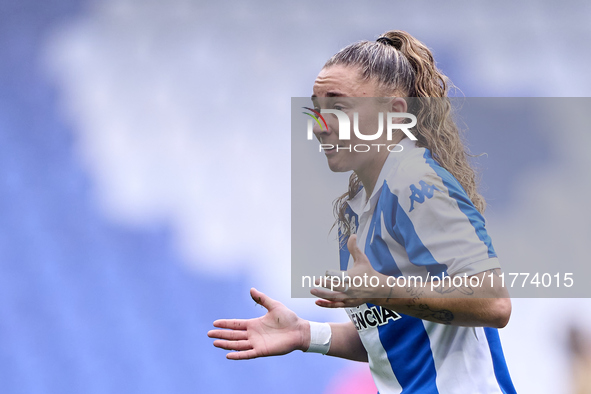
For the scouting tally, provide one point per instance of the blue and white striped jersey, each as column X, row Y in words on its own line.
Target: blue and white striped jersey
column 419, row 221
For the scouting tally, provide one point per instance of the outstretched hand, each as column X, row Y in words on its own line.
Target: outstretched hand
column 343, row 295
column 279, row 331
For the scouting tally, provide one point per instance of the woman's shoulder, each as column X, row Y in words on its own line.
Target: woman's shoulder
column 414, row 166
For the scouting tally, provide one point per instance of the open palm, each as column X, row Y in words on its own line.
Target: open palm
column 279, row 331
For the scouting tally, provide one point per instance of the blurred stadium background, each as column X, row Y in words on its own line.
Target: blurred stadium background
column 144, row 147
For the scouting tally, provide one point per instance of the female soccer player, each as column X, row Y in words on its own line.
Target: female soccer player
column 412, row 212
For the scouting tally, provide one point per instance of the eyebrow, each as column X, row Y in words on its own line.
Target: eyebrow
column 332, row 93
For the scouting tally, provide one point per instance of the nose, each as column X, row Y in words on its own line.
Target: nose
column 320, row 126
column 317, row 123
column 319, row 129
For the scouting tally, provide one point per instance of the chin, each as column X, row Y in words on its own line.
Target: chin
column 337, row 167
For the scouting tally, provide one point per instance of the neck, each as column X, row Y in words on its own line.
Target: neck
column 370, row 173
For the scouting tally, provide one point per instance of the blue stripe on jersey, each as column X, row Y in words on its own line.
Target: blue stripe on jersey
column 499, row 364
column 405, row 234
column 377, row 250
column 457, row 192
column 416, row 371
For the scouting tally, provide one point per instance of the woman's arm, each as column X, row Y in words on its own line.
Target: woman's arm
column 465, row 305
column 462, row 305
column 346, row 342
column 280, row 331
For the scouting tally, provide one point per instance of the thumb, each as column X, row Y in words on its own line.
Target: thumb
column 262, row 299
column 357, row 254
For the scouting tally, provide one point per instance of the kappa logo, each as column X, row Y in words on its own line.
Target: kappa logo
column 418, row 195
column 372, row 317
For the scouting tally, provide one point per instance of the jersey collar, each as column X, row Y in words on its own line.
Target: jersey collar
column 358, row 203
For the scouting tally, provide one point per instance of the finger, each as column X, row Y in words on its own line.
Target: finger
column 329, row 295
column 262, row 299
column 232, row 345
column 228, row 334
column 234, row 324
column 244, row 355
column 336, row 284
column 338, row 274
column 349, row 303
column 330, row 304
column 332, row 282
column 357, row 253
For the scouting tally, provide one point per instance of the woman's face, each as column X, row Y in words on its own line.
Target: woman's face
column 341, row 88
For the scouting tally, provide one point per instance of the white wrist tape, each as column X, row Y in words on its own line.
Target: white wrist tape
column 320, row 336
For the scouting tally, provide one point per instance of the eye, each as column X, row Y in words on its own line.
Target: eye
column 339, row 107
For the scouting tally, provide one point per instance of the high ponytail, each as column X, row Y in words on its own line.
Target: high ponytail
column 400, row 64
column 428, row 80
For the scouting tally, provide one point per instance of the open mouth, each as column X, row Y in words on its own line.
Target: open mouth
column 331, row 150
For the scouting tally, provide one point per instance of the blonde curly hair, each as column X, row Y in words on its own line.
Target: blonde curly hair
column 401, row 64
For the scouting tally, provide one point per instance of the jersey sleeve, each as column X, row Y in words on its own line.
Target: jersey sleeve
column 439, row 226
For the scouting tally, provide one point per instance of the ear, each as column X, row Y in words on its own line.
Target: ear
column 398, row 104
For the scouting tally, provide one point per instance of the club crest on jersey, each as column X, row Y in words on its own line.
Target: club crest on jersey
column 372, row 317
column 418, row 195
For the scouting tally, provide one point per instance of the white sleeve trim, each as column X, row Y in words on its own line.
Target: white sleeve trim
column 478, row 267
